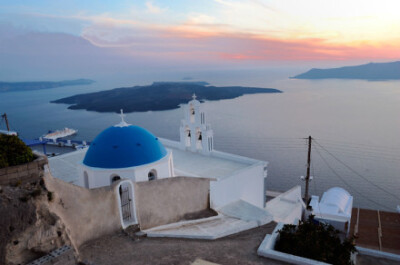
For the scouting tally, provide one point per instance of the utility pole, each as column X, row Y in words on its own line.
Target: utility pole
column 306, row 196
column 5, row 118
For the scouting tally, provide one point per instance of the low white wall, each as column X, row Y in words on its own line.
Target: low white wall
column 170, row 200
column 378, row 254
column 266, row 249
column 294, row 215
column 287, row 207
column 87, row 214
column 247, row 185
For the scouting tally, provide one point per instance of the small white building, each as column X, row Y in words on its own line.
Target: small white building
column 334, row 208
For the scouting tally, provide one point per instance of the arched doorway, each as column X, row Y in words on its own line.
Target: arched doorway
column 125, row 194
column 152, row 175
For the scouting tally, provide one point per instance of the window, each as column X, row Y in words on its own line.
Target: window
column 152, row 175
column 115, row 178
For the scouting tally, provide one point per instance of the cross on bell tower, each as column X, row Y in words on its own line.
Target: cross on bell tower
column 195, row 134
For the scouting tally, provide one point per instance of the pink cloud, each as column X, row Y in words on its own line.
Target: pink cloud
column 213, row 42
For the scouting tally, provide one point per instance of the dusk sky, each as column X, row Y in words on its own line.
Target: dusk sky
column 207, row 32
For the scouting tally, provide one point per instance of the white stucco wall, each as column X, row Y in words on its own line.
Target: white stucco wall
column 100, row 177
column 246, row 184
column 287, row 207
column 162, row 167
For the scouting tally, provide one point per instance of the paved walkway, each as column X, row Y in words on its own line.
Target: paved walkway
column 239, row 249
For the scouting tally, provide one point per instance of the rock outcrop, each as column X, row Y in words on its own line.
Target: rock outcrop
column 29, row 228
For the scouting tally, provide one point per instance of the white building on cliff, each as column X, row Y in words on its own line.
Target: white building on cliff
column 125, row 151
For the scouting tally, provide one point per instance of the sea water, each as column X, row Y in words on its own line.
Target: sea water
column 355, row 124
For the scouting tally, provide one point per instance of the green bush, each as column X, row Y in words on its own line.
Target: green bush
column 315, row 241
column 13, row 151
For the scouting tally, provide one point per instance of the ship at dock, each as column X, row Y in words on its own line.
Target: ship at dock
column 54, row 135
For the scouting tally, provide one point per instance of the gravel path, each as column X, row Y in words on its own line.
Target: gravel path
column 124, row 249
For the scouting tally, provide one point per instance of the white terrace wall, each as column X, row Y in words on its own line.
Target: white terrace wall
column 165, row 201
column 247, row 185
column 87, row 214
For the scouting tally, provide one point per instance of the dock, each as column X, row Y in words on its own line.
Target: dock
column 75, row 144
column 376, row 229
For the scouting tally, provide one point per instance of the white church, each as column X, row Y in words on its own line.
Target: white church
column 131, row 155
column 125, row 151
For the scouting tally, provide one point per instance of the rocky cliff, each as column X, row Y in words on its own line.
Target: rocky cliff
column 29, row 229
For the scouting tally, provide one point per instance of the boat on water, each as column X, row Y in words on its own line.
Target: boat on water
column 60, row 134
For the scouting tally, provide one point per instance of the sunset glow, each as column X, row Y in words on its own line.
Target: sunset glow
column 222, row 29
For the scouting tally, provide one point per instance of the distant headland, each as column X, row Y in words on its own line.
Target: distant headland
column 36, row 85
column 157, row 96
column 371, row 71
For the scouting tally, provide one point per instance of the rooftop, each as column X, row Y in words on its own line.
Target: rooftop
column 64, row 166
column 219, row 165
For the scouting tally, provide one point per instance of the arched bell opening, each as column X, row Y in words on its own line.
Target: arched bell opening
column 192, row 113
column 188, row 137
column 199, row 139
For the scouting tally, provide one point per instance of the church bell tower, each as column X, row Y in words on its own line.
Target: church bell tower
column 195, row 134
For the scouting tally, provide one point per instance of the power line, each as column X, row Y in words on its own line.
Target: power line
column 367, row 155
column 370, row 152
column 355, row 172
column 266, row 137
column 364, row 150
column 366, row 146
column 347, row 184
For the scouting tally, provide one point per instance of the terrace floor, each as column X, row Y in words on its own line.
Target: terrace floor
column 376, row 229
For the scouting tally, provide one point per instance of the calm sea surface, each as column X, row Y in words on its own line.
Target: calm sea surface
column 356, row 126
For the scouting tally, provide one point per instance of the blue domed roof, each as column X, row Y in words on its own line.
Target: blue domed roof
column 127, row 146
